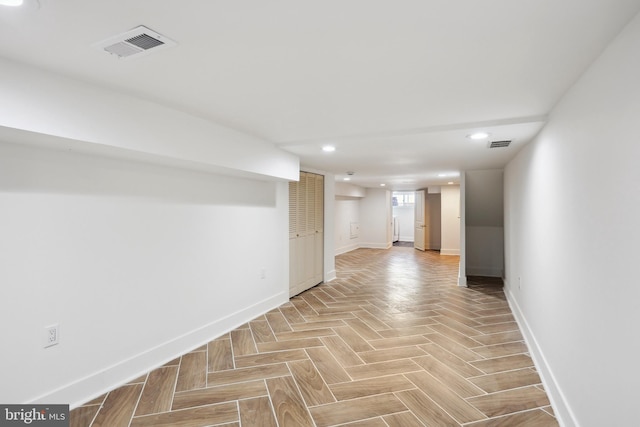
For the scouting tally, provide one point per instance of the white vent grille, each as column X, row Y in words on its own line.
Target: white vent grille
column 135, row 43
column 499, row 144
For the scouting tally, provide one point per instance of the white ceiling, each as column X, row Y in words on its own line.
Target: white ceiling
column 396, row 86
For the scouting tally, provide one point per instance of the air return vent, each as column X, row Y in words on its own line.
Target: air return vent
column 135, row 43
column 499, row 144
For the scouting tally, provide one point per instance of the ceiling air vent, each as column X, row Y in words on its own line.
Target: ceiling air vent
column 135, row 43
column 499, row 144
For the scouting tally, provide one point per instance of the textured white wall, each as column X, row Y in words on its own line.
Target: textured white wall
column 571, row 232
column 137, row 262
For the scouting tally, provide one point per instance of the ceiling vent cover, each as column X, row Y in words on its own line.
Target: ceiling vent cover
column 135, row 43
column 499, row 144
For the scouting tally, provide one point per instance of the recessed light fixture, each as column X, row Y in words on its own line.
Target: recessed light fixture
column 478, row 135
column 328, row 148
column 441, row 175
column 11, row 2
column 450, row 182
column 346, row 178
column 383, row 185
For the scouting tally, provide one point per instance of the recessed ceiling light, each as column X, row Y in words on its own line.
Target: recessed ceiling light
column 442, row 175
column 383, row 185
column 11, row 2
column 346, row 178
column 478, row 135
column 450, row 182
column 328, row 148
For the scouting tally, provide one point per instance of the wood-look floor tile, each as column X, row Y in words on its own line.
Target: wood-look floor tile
column 453, row 347
column 387, row 343
column 277, row 322
column 158, row 391
column 247, row 374
column 452, row 361
column 451, row 402
column 506, row 380
column 331, row 370
column 310, row 333
column 270, row 358
column 289, row 345
column 221, row 394
column 510, row 401
column 353, row 340
column 498, row 350
column 358, row 409
column 371, row 320
column 313, row 388
column 455, row 336
column 368, row 387
column 391, row 354
column 534, row 418
column 82, row 416
column 407, row 323
column 291, row 314
column 321, row 324
column 193, row 417
column 426, row 409
column 457, row 326
column 497, row 327
column 256, row 413
column 448, row 314
column 118, row 407
column 404, row 332
column 362, row 329
column 261, row 331
column 341, row 351
column 451, row 378
column 501, row 364
column 371, row 422
column 193, row 371
column 242, row 342
column 499, row 338
column 402, row 419
column 496, row 319
column 287, row 403
column 372, row 370
column 219, row 355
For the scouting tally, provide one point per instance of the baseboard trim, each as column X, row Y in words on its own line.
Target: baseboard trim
column 330, row 275
column 88, row 388
column 376, row 245
column 345, row 249
column 449, row 251
column 561, row 408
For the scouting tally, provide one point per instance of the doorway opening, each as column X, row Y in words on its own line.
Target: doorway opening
column 403, row 205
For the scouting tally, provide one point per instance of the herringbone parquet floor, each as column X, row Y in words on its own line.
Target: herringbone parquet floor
column 393, row 342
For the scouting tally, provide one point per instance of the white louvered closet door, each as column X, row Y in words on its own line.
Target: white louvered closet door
column 306, row 236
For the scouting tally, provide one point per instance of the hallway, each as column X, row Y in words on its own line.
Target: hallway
column 392, row 342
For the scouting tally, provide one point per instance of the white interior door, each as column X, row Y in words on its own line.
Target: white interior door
column 419, row 221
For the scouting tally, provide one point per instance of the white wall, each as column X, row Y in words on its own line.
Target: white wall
column 484, row 223
column 347, row 212
column 572, row 208
column 450, row 220
column 138, row 263
column 375, row 219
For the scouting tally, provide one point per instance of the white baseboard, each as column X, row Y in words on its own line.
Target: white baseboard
column 345, row 249
column 449, row 251
column 561, row 408
column 330, row 275
column 88, row 388
column 376, row 245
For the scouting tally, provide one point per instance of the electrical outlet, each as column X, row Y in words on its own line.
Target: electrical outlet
column 51, row 335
